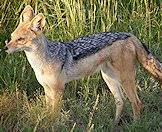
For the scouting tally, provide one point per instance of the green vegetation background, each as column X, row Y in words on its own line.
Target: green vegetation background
column 22, row 105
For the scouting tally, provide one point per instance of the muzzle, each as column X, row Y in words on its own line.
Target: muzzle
column 8, row 48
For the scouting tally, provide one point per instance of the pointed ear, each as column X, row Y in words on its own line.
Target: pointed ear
column 38, row 23
column 27, row 14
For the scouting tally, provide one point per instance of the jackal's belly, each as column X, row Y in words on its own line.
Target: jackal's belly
column 87, row 66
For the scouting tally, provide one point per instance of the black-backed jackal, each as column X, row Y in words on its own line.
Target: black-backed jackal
column 57, row 63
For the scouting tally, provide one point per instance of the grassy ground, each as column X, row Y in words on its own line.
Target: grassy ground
column 87, row 103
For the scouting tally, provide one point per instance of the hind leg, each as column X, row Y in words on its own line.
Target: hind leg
column 115, row 87
column 129, row 87
column 125, row 67
column 123, row 61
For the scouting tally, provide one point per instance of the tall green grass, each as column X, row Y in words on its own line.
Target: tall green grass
column 88, row 105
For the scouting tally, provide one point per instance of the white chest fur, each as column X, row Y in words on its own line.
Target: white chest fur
column 46, row 73
column 37, row 65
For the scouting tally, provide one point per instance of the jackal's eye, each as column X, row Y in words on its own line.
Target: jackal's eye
column 21, row 39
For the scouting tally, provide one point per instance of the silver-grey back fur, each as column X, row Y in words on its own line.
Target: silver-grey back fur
column 83, row 46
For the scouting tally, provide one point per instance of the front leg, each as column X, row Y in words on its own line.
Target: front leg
column 53, row 95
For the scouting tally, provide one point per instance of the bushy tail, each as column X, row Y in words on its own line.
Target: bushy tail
column 148, row 61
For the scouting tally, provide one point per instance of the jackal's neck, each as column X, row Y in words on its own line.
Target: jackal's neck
column 37, row 52
column 45, row 52
column 38, row 45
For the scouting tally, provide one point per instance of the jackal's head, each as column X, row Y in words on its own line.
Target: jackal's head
column 29, row 28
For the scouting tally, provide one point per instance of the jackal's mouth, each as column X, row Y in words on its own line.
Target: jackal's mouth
column 11, row 50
